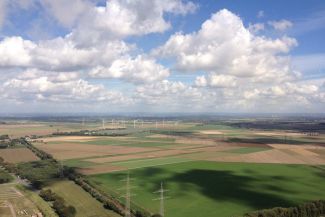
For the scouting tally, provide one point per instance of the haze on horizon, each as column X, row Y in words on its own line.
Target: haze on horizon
column 162, row 56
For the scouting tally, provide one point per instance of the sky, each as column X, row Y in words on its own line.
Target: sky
column 186, row 56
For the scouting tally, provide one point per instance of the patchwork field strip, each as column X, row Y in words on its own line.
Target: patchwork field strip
column 93, row 155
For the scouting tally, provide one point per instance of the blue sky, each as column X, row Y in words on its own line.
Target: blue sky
column 202, row 56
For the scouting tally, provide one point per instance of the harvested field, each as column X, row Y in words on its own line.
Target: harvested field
column 197, row 141
column 70, row 138
column 17, row 155
column 271, row 156
column 64, row 151
column 307, row 159
column 17, row 130
column 278, row 133
column 155, row 154
column 161, row 136
column 304, row 152
column 106, row 168
column 211, row 132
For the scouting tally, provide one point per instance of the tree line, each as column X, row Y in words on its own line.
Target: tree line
column 310, row 209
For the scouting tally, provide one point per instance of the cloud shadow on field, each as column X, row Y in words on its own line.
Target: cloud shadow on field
column 227, row 186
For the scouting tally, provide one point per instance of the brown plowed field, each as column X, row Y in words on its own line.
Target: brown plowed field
column 100, row 169
column 17, row 155
column 74, row 150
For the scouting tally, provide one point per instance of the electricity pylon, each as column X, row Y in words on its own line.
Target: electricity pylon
column 127, row 198
column 127, row 212
column 161, row 198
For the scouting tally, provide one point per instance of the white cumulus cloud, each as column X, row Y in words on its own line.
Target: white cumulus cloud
column 137, row 70
column 223, row 45
column 280, row 25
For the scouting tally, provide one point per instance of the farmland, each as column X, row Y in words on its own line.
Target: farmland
column 219, row 189
column 220, row 168
column 217, row 143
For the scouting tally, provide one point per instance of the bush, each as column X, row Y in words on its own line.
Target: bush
column 59, row 204
column 63, row 210
column 5, row 177
column 139, row 213
column 47, row 195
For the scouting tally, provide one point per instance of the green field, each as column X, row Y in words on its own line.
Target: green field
column 247, row 150
column 86, row 206
column 220, row 189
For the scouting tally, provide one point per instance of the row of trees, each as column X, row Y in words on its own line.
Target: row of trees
column 39, row 153
column 5, row 177
column 58, row 203
column 311, row 209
